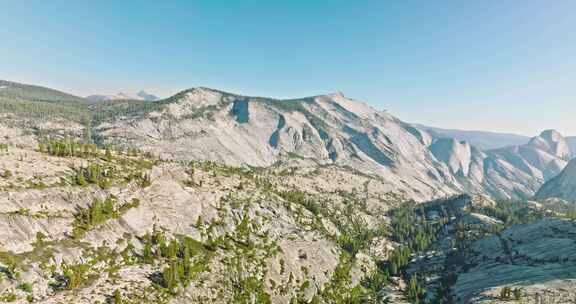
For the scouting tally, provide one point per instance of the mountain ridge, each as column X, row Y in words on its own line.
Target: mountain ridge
column 486, row 140
column 212, row 125
column 562, row 186
column 141, row 95
column 342, row 128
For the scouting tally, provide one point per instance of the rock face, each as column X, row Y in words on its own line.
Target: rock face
column 553, row 143
column 208, row 124
column 511, row 172
column 537, row 257
column 562, row 186
column 572, row 143
column 533, row 163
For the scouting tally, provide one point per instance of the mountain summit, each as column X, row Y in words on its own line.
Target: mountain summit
column 552, row 142
column 142, row 95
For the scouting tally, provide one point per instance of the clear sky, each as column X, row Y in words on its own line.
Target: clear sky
column 489, row 64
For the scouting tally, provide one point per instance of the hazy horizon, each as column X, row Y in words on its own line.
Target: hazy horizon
column 489, row 66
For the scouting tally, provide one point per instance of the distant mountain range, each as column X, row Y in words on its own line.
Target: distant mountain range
column 486, row 140
column 124, row 96
column 482, row 139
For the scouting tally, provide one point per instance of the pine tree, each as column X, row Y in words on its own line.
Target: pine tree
column 172, row 250
column 505, row 293
column 108, row 154
column 96, row 212
column 108, row 207
column 170, row 276
column 117, row 297
column 517, row 292
column 147, row 253
column 80, row 180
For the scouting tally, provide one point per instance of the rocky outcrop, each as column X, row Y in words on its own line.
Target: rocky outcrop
column 537, row 258
column 552, row 142
column 513, row 172
column 562, row 186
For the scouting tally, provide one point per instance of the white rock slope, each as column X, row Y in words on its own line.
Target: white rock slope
column 206, row 124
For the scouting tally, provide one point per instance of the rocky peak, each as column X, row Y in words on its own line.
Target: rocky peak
column 457, row 155
column 141, row 95
column 189, row 101
column 562, row 186
column 551, row 135
column 145, row 96
column 552, row 142
column 337, row 94
column 359, row 108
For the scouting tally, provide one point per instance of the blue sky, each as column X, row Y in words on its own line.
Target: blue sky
column 489, row 65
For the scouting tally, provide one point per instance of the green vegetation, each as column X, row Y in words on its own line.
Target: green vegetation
column 106, row 176
column 512, row 212
column 355, row 235
column 105, row 168
column 117, row 296
column 68, row 148
column 409, row 227
column 26, row 287
column 99, row 212
column 184, row 258
column 6, row 174
column 8, row 297
column 10, row 264
column 95, row 214
column 32, row 109
column 300, row 198
column 75, row 275
column 104, row 110
column 28, row 101
column 338, row 289
column 414, row 292
column 94, row 174
column 508, row 293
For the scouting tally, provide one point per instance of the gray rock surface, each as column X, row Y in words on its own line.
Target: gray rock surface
column 537, row 257
column 562, row 186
